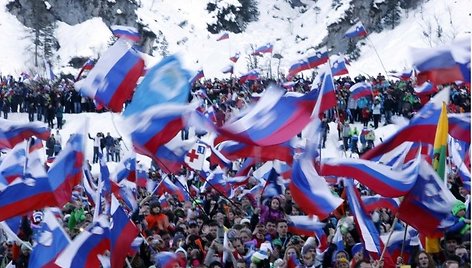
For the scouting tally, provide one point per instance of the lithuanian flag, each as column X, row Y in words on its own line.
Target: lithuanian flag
column 439, row 164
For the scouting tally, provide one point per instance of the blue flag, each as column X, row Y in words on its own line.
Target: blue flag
column 165, row 82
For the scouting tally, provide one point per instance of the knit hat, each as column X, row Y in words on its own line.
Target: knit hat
column 306, row 248
column 180, row 249
column 357, row 248
column 458, row 206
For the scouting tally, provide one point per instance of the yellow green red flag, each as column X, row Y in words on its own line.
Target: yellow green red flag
column 439, row 164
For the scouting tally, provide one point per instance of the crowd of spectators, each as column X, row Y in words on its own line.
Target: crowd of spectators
column 256, row 227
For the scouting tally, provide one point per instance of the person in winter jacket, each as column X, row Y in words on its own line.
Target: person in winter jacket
column 96, row 146
column 370, row 137
column 362, row 139
column 50, row 143
column 346, row 133
column 59, row 115
column 109, row 144
column 376, row 109
column 156, row 220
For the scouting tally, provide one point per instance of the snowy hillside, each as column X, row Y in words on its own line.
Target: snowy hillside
column 181, row 27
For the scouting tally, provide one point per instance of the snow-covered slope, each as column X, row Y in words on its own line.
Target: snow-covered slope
column 183, row 24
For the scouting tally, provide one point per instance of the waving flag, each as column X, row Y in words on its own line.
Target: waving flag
column 122, row 234
column 166, row 82
column 171, row 156
column 308, row 226
column 329, row 99
column 274, row 185
column 51, row 240
column 126, row 32
column 235, row 58
column 216, row 156
column 195, row 158
column 157, row 126
column 217, row 181
column 360, row 90
column 304, row 225
column 34, row 145
column 222, row 37
column 400, row 243
column 228, row 69
column 273, row 120
column 459, row 126
column 425, row 89
column 84, row 249
column 428, row 204
column 126, row 192
column 88, row 65
column 199, row 75
column 13, row 165
column 126, row 168
column 379, row 178
column 310, row 191
column 249, row 76
column 461, row 160
column 267, row 48
column 234, row 150
column 439, row 165
column 113, row 79
column 319, row 58
column 338, row 67
column 12, row 132
column 440, row 144
column 356, row 30
column 372, row 203
column 141, row 176
column 173, row 189
column 369, row 233
column 66, row 171
column 445, row 64
column 396, row 157
column 403, row 75
column 421, row 128
column 89, row 186
column 33, row 191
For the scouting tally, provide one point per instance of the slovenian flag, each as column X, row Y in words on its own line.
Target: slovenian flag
column 267, row 48
column 356, row 30
column 113, row 79
column 126, row 32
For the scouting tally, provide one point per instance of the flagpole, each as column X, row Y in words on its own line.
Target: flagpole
column 127, row 263
column 116, row 129
column 389, row 236
column 381, row 62
column 403, row 242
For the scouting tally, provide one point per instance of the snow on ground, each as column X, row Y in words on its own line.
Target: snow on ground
column 116, row 125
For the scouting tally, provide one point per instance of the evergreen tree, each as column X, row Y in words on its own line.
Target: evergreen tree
column 42, row 32
column 352, row 50
column 231, row 17
column 393, row 12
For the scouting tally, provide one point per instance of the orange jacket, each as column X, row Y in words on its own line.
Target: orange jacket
column 159, row 222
